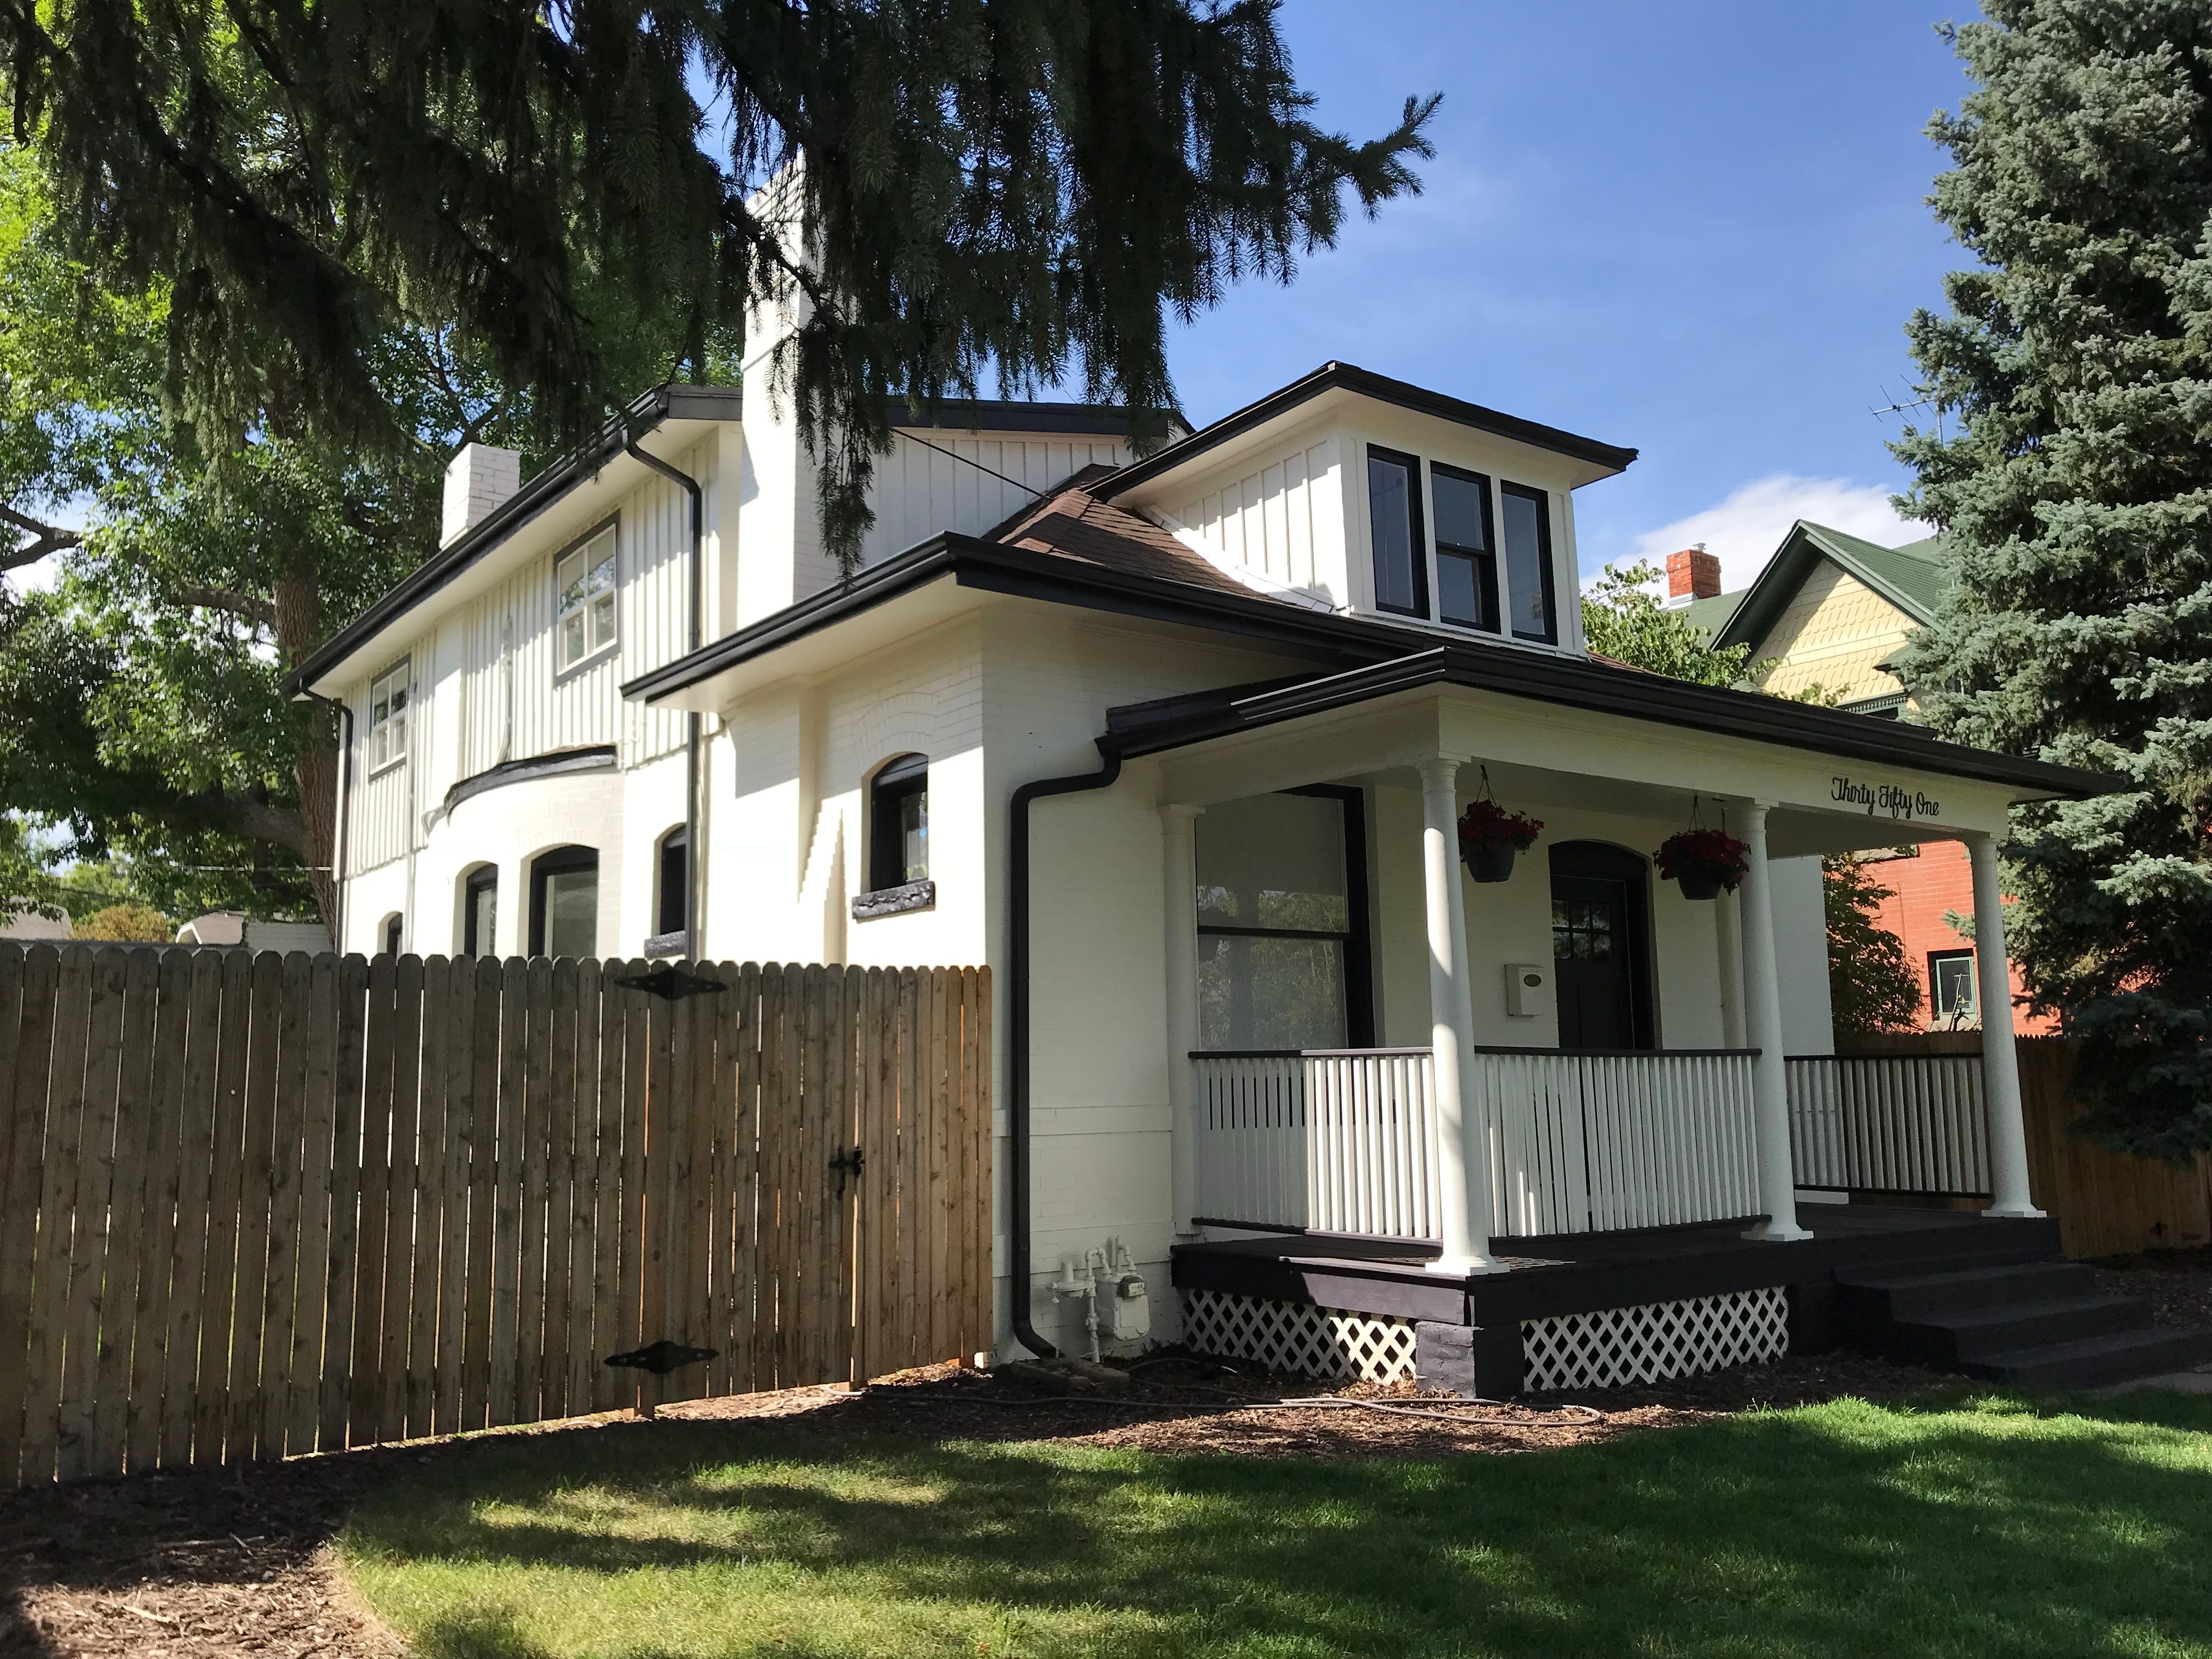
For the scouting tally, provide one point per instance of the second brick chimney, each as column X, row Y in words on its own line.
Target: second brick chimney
column 1692, row 573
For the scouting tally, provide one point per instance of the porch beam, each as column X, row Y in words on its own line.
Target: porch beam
column 1179, row 845
column 1462, row 1141
column 1770, row 1076
column 2000, row 1061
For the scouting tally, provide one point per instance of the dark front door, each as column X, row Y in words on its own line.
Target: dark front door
column 1599, row 952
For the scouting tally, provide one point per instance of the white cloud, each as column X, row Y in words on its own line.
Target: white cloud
column 36, row 578
column 1745, row 529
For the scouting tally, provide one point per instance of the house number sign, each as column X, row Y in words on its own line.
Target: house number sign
column 1894, row 798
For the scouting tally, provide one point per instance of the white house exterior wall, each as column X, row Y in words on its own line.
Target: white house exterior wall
column 1282, row 520
column 922, row 491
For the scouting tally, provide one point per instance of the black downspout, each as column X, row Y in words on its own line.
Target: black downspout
column 693, row 854
column 339, row 836
column 1017, row 1038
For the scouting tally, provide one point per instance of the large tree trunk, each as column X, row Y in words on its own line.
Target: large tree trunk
column 299, row 627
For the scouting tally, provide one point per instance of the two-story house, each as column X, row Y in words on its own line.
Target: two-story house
column 1177, row 746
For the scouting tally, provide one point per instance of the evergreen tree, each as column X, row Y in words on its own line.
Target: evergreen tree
column 1021, row 190
column 2072, row 477
column 1872, row 986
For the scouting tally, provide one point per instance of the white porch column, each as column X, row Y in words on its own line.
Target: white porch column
column 1762, row 1004
column 1179, row 843
column 1462, row 1146
column 2000, row 1063
column 1727, row 931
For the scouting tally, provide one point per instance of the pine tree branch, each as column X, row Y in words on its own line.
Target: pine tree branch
column 44, row 539
column 257, row 610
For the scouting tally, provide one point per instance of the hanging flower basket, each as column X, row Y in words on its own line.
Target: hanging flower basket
column 1490, row 838
column 1703, row 862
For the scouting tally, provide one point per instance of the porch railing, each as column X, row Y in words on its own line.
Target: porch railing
column 1890, row 1123
column 1592, row 1142
column 1344, row 1140
column 1341, row 1141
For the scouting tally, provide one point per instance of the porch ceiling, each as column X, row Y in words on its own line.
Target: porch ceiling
column 1541, row 755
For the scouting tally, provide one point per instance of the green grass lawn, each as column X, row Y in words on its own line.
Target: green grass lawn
column 1985, row 1528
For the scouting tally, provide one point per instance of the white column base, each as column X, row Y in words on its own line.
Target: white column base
column 1777, row 1232
column 1463, row 1266
column 2017, row 1212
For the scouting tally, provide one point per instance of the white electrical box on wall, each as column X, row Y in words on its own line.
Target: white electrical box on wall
column 1527, row 988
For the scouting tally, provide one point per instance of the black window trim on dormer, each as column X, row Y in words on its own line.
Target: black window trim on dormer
column 1417, row 537
column 1545, row 557
column 1491, row 594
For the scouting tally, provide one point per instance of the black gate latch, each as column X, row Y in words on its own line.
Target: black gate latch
column 845, row 1164
column 661, row 1357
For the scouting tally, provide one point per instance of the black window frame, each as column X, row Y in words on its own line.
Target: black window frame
column 1544, row 555
column 484, row 877
column 1417, row 533
column 1935, row 1008
column 1486, row 592
column 1357, row 935
column 892, row 783
column 672, row 899
column 395, row 928
column 556, row 862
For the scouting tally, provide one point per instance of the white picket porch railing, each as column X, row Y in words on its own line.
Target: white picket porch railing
column 1341, row 1141
column 1344, row 1140
column 1890, row 1123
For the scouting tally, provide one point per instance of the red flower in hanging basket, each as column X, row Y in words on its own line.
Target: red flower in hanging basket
column 1713, row 854
column 1486, row 825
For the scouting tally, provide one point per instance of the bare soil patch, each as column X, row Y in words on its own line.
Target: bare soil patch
column 233, row 1562
column 2177, row 1283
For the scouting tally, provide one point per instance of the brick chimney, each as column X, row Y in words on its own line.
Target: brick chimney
column 1692, row 573
column 478, row 479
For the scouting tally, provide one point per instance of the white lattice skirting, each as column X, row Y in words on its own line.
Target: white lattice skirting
column 1296, row 1340
column 1656, row 1340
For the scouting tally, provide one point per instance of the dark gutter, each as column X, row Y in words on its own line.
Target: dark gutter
column 1744, row 715
column 693, row 860
column 596, row 758
column 641, row 414
column 1332, row 376
column 1008, row 415
column 1018, row 1266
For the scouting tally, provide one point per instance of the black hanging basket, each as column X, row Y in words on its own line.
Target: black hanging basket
column 1490, row 863
column 1701, row 884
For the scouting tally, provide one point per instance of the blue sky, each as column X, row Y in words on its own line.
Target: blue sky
column 1697, row 228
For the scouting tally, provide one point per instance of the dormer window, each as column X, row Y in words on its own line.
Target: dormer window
column 1394, row 517
column 1528, row 515
column 584, row 586
column 1466, row 566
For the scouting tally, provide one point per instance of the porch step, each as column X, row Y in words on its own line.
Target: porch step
column 2097, row 1360
column 2039, row 1324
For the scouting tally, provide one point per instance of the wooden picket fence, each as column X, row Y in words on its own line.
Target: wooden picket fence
column 254, row 1206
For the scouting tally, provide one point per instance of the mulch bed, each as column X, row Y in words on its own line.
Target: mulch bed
column 234, row 1562
column 2177, row 1283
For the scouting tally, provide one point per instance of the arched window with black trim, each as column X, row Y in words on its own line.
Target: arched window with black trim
column 480, row 911
column 672, row 894
column 394, row 933
column 898, row 822
column 564, row 903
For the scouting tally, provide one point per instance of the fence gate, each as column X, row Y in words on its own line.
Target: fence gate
column 252, row 1206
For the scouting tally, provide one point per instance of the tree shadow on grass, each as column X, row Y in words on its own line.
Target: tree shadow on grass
column 1850, row 1528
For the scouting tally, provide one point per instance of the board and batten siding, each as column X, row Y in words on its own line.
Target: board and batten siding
column 920, row 491
column 513, row 705
column 1284, row 520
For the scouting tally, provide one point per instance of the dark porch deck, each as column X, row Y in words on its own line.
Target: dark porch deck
column 1589, row 1272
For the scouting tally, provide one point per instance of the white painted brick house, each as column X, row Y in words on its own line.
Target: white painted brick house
column 1246, row 993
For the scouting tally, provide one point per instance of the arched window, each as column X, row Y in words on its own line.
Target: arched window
column 898, row 822
column 480, row 911
column 564, row 903
column 671, row 901
column 394, row 933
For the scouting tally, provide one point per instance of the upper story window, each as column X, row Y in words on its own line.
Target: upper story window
column 1393, row 517
column 387, row 717
column 1467, row 565
column 584, row 586
column 898, row 823
column 1528, row 515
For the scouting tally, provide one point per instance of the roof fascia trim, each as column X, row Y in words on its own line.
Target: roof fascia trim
column 1348, row 377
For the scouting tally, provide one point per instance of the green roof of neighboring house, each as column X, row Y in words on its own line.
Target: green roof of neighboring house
column 1914, row 578
column 1711, row 615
